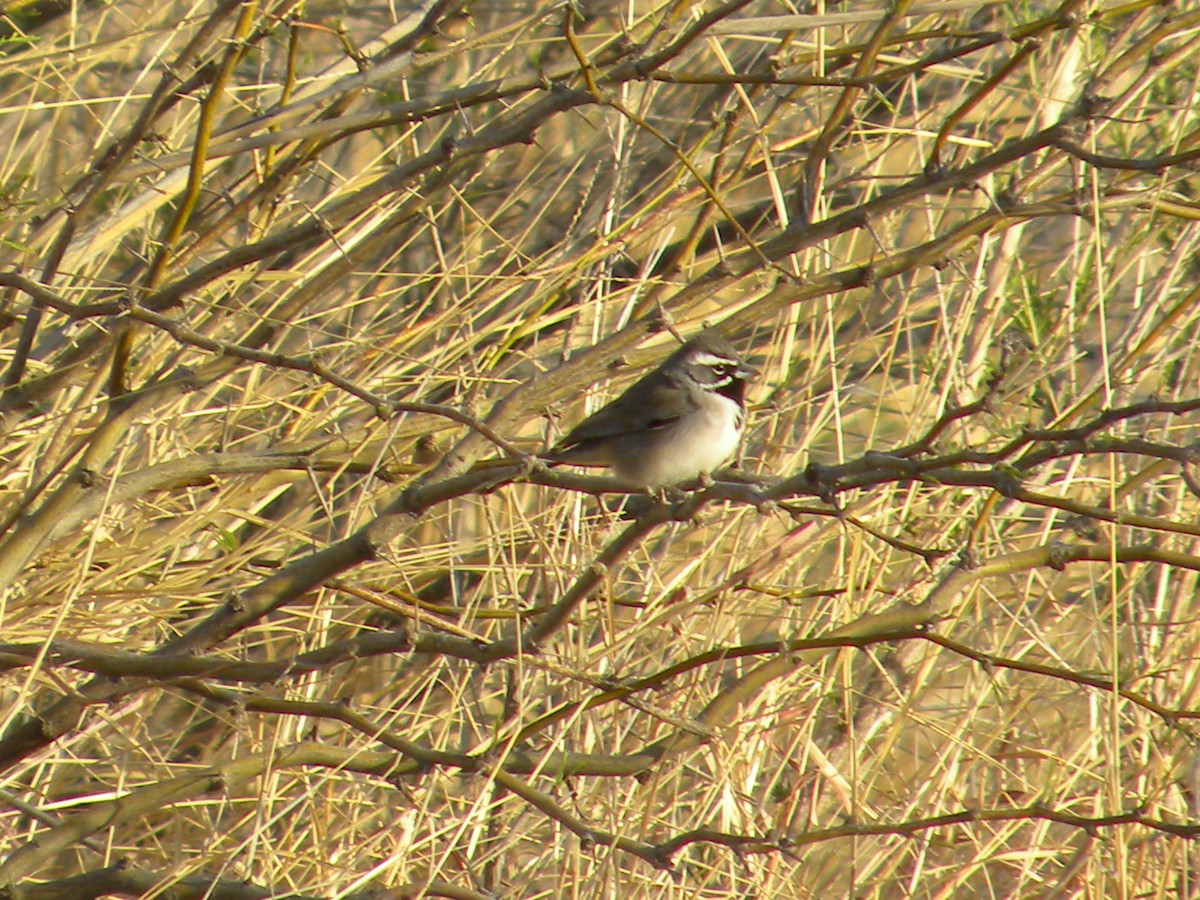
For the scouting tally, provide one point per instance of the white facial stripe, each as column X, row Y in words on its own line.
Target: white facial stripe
column 704, row 358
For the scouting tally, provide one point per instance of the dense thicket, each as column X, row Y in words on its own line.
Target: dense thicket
column 292, row 293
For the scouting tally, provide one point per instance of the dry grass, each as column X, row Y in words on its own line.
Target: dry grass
column 284, row 281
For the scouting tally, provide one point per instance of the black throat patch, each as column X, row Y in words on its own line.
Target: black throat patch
column 734, row 389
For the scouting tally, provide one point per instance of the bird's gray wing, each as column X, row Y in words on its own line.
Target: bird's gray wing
column 651, row 403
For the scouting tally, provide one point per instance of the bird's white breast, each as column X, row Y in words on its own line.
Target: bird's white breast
column 717, row 440
column 700, row 442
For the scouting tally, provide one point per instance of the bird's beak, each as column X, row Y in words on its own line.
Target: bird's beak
column 745, row 370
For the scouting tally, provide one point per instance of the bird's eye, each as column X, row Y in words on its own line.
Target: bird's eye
column 723, row 369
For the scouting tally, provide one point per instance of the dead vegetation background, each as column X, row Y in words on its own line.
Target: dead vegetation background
column 286, row 284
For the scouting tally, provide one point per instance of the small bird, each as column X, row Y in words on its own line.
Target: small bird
column 672, row 426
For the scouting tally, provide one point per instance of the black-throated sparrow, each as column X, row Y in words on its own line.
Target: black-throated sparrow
column 683, row 420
